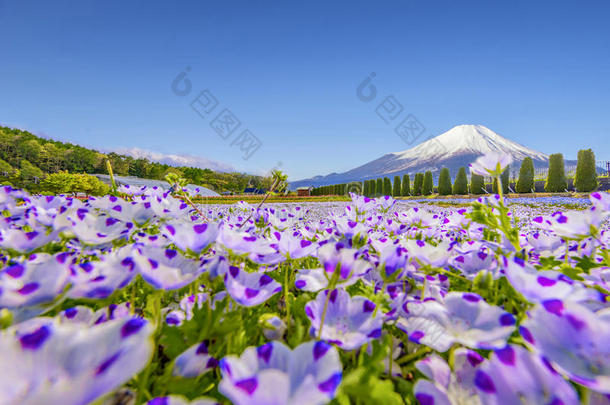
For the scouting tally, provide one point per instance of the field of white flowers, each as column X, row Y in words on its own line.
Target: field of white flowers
column 146, row 299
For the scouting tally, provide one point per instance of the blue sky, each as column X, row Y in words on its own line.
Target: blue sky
column 100, row 74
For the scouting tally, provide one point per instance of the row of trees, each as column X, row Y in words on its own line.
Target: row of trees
column 25, row 159
column 423, row 184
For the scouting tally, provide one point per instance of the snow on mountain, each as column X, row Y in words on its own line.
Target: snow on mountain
column 465, row 139
column 458, row 147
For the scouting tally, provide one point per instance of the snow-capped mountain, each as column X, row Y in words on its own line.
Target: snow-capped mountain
column 458, row 147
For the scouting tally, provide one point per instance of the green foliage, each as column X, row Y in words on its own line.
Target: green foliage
column 505, row 180
column 53, row 156
column 444, row 182
column 387, row 186
column 525, row 184
column 396, row 189
column 379, row 187
column 66, row 183
column 29, row 173
column 460, row 186
column 586, row 172
column 556, row 181
column 406, row 185
column 418, row 182
column 428, row 184
column 477, row 184
column 6, row 170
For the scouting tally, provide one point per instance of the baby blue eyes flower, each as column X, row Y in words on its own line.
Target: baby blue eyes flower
column 37, row 280
column 70, row 363
column 463, row 318
column 25, row 241
column 491, row 164
column 190, row 236
column 250, row 289
column 274, row 374
column 539, row 285
column 514, row 375
column 334, row 259
column 349, row 322
column 574, row 339
column 113, row 249
column 444, row 386
column 195, row 361
column 167, row 268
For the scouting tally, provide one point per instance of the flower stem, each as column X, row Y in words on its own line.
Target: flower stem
column 324, row 314
column 410, row 357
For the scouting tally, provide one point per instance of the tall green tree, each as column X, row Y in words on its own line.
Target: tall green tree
column 505, row 180
column 556, row 179
column 31, row 151
column 525, row 183
column 477, row 183
column 418, row 182
column 444, row 182
column 6, row 170
column 387, row 186
column 406, row 185
column 460, row 186
column 586, row 172
column 378, row 187
column 428, row 185
column 396, row 189
column 29, row 171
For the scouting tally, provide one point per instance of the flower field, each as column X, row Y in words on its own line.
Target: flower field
column 146, row 299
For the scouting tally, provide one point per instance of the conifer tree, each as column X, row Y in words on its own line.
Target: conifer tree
column 378, row 187
column 396, row 189
column 428, row 185
column 477, row 183
column 406, row 185
column 556, row 179
column 444, row 182
column 461, row 182
column 586, row 172
column 387, row 186
column 418, row 183
column 525, row 184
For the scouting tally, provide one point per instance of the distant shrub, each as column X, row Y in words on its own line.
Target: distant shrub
column 69, row 183
column 525, row 184
column 406, row 185
column 477, row 184
column 444, row 182
column 461, row 182
column 396, row 189
column 418, row 182
column 428, row 185
column 387, row 186
column 586, row 172
column 556, row 180
column 378, row 187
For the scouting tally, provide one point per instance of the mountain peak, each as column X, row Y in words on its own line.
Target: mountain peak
column 468, row 139
column 456, row 148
